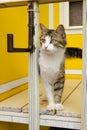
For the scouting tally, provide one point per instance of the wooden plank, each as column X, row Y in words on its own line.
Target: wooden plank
column 73, row 105
column 19, row 102
column 74, row 102
column 15, row 103
column 70, row 118
column 25, row 108
column 70, row 85
column 71, row 108
column 11, row 3
column 42, row 104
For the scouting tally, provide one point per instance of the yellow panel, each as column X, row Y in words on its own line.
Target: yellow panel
column 13, row 65
column 74, row 41
column 74, row 63
column 56, row 15
column 43, row 15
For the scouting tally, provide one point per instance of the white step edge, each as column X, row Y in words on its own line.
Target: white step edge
column 13, row 84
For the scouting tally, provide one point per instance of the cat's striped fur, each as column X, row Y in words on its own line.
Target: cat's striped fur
column 52, row 63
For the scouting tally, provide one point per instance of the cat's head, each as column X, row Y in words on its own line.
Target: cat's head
column 52, row 40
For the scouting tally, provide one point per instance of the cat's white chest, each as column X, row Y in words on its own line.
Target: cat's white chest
column 50, row 64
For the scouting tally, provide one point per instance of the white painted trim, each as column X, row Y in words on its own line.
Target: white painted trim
column 75, row 30
column 45, row 120
column 61, row 13
column 13, row 84
column 58, row 121
column 51, row 14
column 73, row 72
column 34, row 83
column 84, row 66
column 64, row 19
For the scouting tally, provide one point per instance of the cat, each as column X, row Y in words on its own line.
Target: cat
column 53, row 52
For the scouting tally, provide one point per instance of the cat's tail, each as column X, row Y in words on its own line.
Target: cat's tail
column 72, row 52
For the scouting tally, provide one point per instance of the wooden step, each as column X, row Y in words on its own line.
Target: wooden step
column 71, row 97
column 15, row 103
column 71, row 100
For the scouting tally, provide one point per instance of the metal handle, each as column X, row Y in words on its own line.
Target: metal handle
column 31, row 47
column 10, row 47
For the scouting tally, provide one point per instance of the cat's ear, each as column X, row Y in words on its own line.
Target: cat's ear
column 43, row 28
column 61, row 30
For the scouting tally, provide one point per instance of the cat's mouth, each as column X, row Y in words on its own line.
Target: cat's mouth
column 47, row 51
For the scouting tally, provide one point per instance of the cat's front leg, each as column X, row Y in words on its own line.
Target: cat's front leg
column 49, row 92
column 51, row 103
column 51, row 108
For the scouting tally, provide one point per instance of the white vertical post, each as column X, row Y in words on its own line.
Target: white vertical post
column 51, row 14
column 84, row 88
column 33, row 74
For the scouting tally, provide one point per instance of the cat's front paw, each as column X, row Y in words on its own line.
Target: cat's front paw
column 59, row 107
column 51, row 107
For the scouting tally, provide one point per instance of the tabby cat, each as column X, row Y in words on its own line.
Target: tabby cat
column 52, row 63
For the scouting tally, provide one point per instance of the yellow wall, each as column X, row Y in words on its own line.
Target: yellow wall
column 43, row 14
column 13, row 65
column 74, row 63
column 74, row 41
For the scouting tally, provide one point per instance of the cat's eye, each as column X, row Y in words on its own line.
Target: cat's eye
column 43, row 40
column 54, row 41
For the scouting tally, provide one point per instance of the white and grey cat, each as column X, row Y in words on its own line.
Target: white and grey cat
column 52, row 63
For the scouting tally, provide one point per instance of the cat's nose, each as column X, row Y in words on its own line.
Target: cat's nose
column 46, row 47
